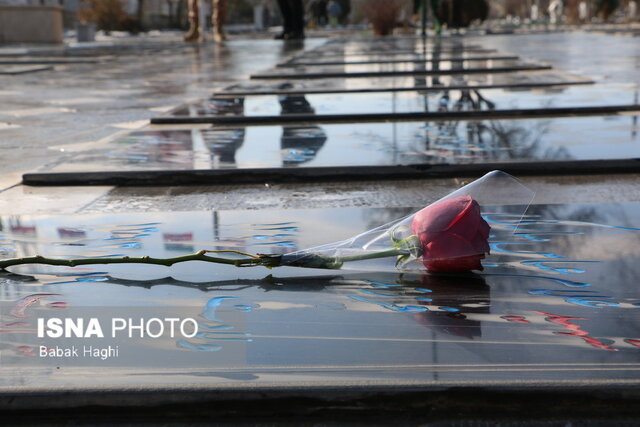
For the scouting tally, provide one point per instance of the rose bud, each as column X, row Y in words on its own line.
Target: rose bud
column 453, row 235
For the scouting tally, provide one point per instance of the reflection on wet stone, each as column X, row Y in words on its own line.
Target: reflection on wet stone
column 439, row 302
column 557, row 298
column 223, row 145
column 520, row 80
column 399, row 69
column 410, row 101
column 553, row 290
column 301, row 144
column 434, row 142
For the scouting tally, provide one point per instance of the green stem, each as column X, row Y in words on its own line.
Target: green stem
column 373, row 255
column 250, row 261
column 269, row 261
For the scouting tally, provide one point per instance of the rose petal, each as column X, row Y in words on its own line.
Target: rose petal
column 484, row 228
column 453, row 234
column 438, row 217
column 450, row 246
column 468, row 221
column 480, row 243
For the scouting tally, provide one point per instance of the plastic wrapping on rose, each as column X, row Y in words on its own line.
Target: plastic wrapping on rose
column 449, row 235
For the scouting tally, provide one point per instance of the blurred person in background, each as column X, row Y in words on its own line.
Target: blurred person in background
column 218, row 18
column 334, row 10
column 583, row 12
column 318, row 9
column 555, row 11
column 632, row 10
column 292, row 19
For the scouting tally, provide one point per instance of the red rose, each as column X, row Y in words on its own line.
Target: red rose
column 453, row 235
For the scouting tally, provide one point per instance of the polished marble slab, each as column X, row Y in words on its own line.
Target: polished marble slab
column 430, row 58
column 397, row 48
column 523, row 80
column 393, row 54
column 382, row 150
column 320, row 56
column 401, row 69
column 371, row 47
column 555, row 305
column 399, row 106
column 400, row 66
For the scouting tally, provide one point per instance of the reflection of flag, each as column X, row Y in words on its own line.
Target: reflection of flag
column 178, row 241
column 25, row 230
column 67, row 233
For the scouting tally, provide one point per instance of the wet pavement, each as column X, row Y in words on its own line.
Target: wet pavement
column 554, row 308
column 42, row 113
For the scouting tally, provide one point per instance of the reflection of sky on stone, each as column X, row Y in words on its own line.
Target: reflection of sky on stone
column 616, row 59
column 368, row 144
column 518, row 78
column 487, row 65
column 530, row 315
column 388, row 102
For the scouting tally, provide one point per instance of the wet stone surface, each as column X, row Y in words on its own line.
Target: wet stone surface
column 425, row 83
column 448, row 142
column 549, row 190
column 430, row 68
column 557, row 301
column 433, row 65
column 41, row 114
column 349, row 47
column 601, row 57
column 317, row 105
column 22, row 69
column 403, row 60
